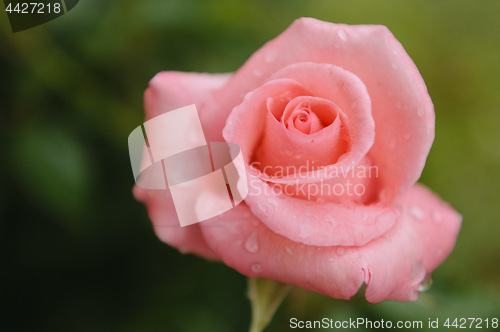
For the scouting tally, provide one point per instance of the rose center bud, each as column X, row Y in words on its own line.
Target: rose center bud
column 302, row 134
column 304, row 120
column 309, row 117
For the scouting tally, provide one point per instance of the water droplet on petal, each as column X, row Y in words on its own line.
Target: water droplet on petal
column 393, row 143
column 342, row 34
column 246, row 215
column 271, row 56
column 306, row 231
column 437, row 216
column 395, row 52
column 341, row 251
column 331, row 259
column 274, row 204
column 385, row 194
column 425, row 286
column 388, row 238
column 394, row 65
column 417, row 273
column 398, row 104
column 407, row 136
column 385, row 218
column 258, row 71
column 331, row 220
column 310, row 215
column 320, row 200
column 256, row 267
column 252, row 243
column 289, row 152
column 289, row 250
column 417, row 213
column 336, row 45
column 421, row 111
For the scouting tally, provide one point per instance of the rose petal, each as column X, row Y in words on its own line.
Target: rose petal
column 349, row 93
column 393, row 266
column 283, row 152
column 303, row 220
column 168, row 91
column 401, row 107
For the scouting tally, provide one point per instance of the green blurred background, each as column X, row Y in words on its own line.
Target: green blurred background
column 77, row 252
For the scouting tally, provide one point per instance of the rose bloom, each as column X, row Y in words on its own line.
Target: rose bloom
column 334, row 123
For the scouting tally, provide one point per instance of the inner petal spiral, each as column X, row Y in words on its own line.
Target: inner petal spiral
column 307, row 116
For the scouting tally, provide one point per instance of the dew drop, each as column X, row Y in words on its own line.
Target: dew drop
column 336, row 45
column 417, row 213
column 385, row 218
column 271, row 56
column 331, row 220
column 252, row 243
column 256, row 267
column 395, row 52
column 384, row 195
column 274, row 204
column 289, row 250
column 388, row 238
column 246, row 215
column 430, row 129
column 421, row 111
column 341, row 251
column 407, row 136
column 262, row 206
column 331, row 259
column 289, row 153
column 393, row 143
column 425, row 286
column 298, row 156
column 342, row 34
column 310, row 215
column 417, row 273
column 395, row 65
column 306, row 232
column 320, row 200
column 258, row 71
column 437, row 216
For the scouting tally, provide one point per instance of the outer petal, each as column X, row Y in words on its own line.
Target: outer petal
column 401, row 106
column 162, row 213
column 393, row 266
column 168, row 91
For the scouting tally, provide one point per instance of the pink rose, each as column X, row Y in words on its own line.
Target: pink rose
column 335, row 124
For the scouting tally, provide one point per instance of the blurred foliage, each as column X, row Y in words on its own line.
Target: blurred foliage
column 77, row 252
